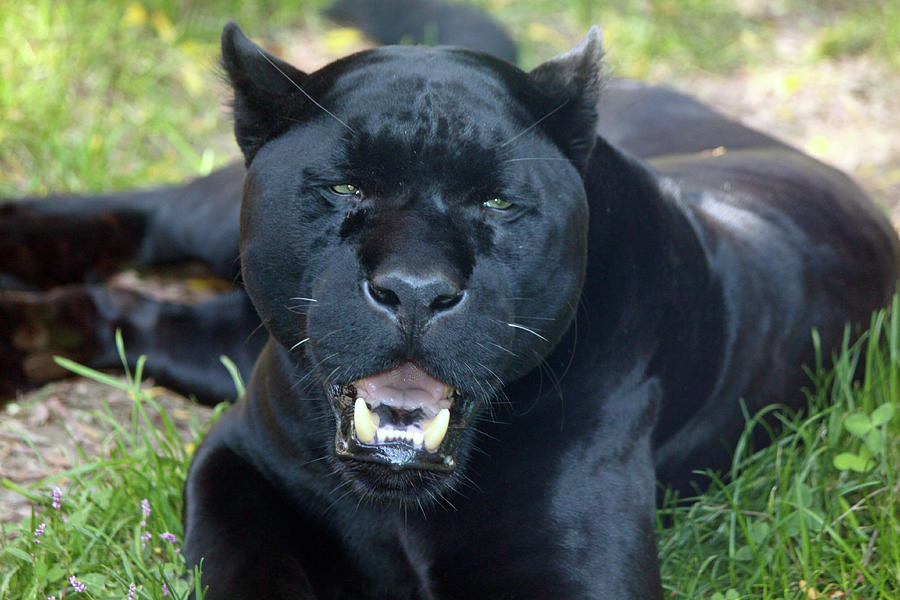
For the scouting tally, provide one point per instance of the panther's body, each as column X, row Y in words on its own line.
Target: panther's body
column 581, row 286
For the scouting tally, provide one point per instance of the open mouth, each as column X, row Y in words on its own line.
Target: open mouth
column 403, row 417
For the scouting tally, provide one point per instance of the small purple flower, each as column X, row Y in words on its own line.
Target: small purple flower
column 51, row 597
column 165, row 589
column 145, row 537
column 132, row 590
column 145, row 511
column 57, row 498
column 38, row 532
column 79, row 587
column 169, row 537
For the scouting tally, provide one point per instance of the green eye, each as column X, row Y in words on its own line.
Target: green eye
column 345, row 189
column 497, row 204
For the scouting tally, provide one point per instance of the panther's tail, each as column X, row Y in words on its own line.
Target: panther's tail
column 425, row 22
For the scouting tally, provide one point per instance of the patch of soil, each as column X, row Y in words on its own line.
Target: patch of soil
column 42, row 432
column 843, row 112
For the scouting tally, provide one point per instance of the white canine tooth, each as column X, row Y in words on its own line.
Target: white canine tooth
column 364, row 421
column 436, row 429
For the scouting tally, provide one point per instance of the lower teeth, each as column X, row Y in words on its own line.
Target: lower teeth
column 430, row 436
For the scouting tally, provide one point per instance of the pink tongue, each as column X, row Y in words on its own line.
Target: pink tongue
column 406, row 387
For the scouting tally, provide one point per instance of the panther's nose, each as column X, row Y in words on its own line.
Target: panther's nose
column 413, row 300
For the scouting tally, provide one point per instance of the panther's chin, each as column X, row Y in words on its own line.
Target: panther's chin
column 381, row 483
column 399, row 432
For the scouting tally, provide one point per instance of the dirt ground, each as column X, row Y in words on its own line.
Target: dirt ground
column 845, row 112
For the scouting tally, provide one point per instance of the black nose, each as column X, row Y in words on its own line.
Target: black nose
column 413, row 299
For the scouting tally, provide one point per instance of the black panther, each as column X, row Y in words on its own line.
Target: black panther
column 500, row 306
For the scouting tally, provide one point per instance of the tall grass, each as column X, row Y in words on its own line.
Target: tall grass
column 109, row 527
column 106, row 95
column 815, row 514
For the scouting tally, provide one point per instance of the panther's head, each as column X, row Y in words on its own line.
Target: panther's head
column 413, row 235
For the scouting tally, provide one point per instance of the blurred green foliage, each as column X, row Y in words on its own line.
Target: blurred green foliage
column 104, row 95
column 101, row 95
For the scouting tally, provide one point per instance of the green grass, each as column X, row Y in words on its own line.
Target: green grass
column 851, row 28
column 815, row 514
column 107, row 95
column 646, row 38
column 115, row 525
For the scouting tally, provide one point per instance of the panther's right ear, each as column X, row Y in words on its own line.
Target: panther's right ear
column 262, row 86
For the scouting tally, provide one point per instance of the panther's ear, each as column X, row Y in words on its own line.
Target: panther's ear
column 262, row 85
column 570, row 84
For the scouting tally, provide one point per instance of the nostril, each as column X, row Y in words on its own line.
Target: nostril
column 382, row 295
column 446, row 301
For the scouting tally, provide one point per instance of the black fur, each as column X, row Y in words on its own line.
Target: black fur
column 599, row 330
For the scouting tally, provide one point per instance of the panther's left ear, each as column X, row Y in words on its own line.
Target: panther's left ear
column 263, row 86
column 571, row 85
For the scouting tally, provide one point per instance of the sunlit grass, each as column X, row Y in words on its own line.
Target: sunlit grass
column 794, row 520
column 858, row 28
column 112, row 523
column 106, row 95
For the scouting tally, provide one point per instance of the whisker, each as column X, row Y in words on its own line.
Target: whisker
column 298, row 344
column 309, row 462
column 558, row 158
column 330, row 375
column 338, row 499
column 507, row 350
column 531, row 331
column 446, row 500
column 312, row 371
column 469, row 481
column 332, row 332
column 302, row 91
column 486, row 368
column 533, row 125
column 486, row 434
column 536, row 318
column 252, row 333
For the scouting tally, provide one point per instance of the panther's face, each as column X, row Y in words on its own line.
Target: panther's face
column 414, row 237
